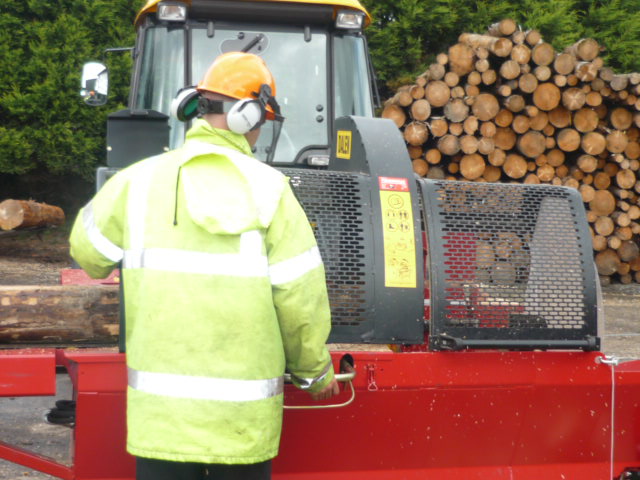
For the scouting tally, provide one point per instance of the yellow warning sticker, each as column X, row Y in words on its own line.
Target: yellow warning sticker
column 397, row 233
column 343, row 145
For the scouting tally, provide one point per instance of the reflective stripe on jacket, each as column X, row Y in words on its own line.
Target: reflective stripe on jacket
column 224, row 288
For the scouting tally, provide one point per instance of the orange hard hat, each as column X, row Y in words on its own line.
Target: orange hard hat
column 238, row 75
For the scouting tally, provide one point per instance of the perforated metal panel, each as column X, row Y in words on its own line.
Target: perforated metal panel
column 510, row 266
column 337, row 206
column 374, row 268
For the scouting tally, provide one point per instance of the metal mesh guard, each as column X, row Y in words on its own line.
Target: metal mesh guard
column 334, row 204
column 509, row 264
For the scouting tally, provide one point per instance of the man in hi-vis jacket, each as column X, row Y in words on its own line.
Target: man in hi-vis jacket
column 224, row 287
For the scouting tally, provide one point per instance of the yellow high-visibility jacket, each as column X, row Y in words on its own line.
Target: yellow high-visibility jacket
column 224, row 289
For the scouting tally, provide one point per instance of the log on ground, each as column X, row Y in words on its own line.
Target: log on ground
column 16, row 214
column 59, row 315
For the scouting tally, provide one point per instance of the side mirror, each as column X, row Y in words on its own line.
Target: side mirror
column 95, row 84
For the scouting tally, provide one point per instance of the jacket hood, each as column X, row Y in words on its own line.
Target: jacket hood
column 225, row 190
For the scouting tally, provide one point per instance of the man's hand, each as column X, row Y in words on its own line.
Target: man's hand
column 327, row 392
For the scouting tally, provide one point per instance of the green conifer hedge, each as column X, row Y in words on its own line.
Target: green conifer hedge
column 44, row 125
column 406, row 35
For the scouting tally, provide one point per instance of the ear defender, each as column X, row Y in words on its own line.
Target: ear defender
column 246, row 115
column 185, row 105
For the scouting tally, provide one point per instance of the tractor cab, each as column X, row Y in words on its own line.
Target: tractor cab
column 316, row 51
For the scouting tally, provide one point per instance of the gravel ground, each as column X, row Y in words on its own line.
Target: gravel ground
column 621, row 336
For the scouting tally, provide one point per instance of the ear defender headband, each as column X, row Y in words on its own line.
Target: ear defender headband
column 244, row 116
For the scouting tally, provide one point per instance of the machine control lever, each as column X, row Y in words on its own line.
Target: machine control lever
column 341, row 377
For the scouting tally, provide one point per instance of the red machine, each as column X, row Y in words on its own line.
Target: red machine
column 479, row 360
column 442, row 415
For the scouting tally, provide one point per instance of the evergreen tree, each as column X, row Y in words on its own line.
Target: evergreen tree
column 44, row 124
column 406, row 35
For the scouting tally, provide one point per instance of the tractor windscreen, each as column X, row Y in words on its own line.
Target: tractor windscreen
column 299, row 66
column 299, row 60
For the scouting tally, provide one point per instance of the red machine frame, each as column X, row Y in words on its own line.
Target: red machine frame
column 416, row 415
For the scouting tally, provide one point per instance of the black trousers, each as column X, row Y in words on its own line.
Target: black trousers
column 151, row 469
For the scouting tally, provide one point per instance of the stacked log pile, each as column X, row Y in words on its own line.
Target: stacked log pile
column 505, row 106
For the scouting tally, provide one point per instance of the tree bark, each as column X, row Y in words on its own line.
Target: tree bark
column 500, row 47
column 59, row 315
column 17, row 214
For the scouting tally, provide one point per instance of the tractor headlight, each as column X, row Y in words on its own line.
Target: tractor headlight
column 318, row 160
column 349, row 20
column 172, row 11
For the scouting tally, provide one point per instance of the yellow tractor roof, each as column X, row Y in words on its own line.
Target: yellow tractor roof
column 151, row 6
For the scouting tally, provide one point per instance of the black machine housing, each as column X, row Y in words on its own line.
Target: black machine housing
column 497, row 265
column 470, row 265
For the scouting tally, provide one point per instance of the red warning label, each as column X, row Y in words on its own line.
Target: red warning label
column 394, row 184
